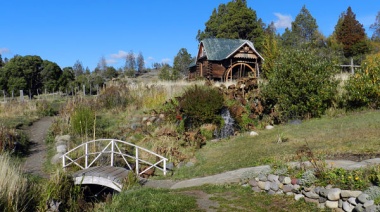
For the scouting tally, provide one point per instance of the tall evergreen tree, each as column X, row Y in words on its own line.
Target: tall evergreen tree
column 140, row 63
column 304, row 30
column 182, row 61
column 234, row 20
column 352, row 35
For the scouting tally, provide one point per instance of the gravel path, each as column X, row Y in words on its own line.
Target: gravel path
column 37, row 134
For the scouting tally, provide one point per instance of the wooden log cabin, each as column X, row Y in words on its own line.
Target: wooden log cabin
column 221, row 59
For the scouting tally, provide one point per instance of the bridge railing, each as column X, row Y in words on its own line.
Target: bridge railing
column 112, row 149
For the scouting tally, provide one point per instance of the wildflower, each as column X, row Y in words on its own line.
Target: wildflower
column 356, row 178
column 349, row 177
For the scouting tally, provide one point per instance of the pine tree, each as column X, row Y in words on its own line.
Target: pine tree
column 234, row 20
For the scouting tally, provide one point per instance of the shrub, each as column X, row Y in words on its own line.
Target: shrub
column 301, row 84
column 113, row 97
column 201, row 105
column 363, row 89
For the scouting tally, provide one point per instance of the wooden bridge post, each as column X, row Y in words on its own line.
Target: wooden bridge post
column 137, row 161
column 86, row 157
column 112, row 151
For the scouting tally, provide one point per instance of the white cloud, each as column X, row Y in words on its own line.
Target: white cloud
column 150, row 58
column 111, row 61
column 4, row 50
column 121, row 54
column 284, row 21
column 165, row 60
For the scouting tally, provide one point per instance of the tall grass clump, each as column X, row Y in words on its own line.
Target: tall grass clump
column 83, row 120
column 115, row 97
column 61, row 191
column 15, row 192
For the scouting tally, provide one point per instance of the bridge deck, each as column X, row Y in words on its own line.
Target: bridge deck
column 109, row 176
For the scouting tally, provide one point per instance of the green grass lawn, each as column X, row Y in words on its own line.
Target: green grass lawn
column 354, row 133
column 219, row 198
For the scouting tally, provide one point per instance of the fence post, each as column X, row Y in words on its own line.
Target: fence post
column 86, row 157
column 112, row 149
column 4, row 95
column 21, row 95
column 84, row 90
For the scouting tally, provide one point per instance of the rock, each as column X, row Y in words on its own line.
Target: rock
column 189, row 164
column 321, row 205
column 261, row 185
column 347, row 207
column 368, row 203
column 294, row 181
column 298, row 197
column 287, row 188
column 340, row 203
column 317, row 189
column 65, row 138
column 296, row 187
column 329, row 187
column 352, row 201
column 287, row 180
column 269, row 127
column 253, row 133
column 279, row 192
column 338, row 210
column 170, row 166
column 307, row 199
column 56, row 158
column 371, row 208
column 322, row 199
column 289, row 193
column 281, row 179
column 271, row 192
column 333, row 194
column 256, row 189
column 349, row 193
column 267, row 186
column 181, row 164
column 161, row 116
column 332, row 204
column 253, row 182
column 309, row 188
column 359, row 208
column 263, row 177
column 274, row 186
column 62, row 148
column 272, row 177
column 312, row 195
column 323, row 192
column 363, row 198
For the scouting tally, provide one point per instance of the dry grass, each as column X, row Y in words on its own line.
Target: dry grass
column 13, row 186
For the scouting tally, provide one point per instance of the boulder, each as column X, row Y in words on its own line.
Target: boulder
column 363, row 198
column 332, row 204
column 349, row 193
column 253, row 182
column 62, row 148
column 256, row 189
column 56, row 158
column 333, row 194
column 298, row 197
column 274, row 186
column 352, row 201
column 272, row 177
column 347, row 207
column 261, row 185
column 287, row 180
column 312, row 195
column 287, row 188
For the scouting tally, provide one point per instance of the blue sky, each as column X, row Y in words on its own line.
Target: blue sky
column 64, row 31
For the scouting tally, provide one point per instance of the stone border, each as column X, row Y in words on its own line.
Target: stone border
column 334, row 198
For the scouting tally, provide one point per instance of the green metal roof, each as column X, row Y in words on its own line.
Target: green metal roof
column 222, row 48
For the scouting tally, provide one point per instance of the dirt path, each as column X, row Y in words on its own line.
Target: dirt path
column 37, row 134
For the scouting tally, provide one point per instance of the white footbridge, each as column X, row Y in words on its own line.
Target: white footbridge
column 107, row 162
